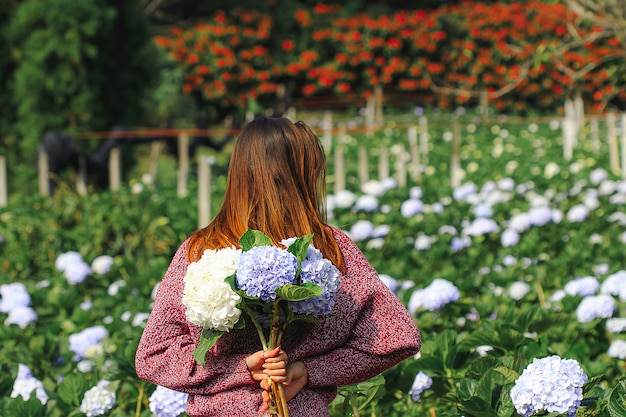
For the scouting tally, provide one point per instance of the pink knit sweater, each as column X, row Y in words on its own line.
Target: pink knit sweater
column 368, row 331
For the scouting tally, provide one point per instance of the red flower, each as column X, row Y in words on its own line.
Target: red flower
column 203, row 69
column 309, row 89
column 288, row 45
column 192, row 59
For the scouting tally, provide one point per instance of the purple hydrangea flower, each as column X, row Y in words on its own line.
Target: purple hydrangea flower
column 540, row 216
column 320, row 271
column 264, row 269
column 367, row 203
column 361, row 230
column 420, row 384
column 510, row 237
column 411, row 207
column 75, row 273
column 13, row 295
column 165, row 402
column 82, row 341
column 481, row 226
column 551, row 384
column 595, row 307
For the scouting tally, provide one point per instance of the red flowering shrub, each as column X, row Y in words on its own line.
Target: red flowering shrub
column 521, row 55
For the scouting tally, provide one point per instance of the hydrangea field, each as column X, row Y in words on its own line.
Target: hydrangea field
column 516, row 278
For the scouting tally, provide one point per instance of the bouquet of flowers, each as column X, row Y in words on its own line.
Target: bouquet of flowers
column 263, row 283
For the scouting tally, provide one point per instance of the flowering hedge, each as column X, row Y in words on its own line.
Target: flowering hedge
column 524, row 55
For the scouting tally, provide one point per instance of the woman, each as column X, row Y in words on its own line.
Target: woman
column 276, row 185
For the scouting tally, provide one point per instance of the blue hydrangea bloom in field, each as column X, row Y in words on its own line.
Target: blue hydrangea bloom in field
column 439, row 293
column 420, row 384
column 595, row 307
column 98, row 400
column 264, row 269
column 13, row 295
column 82, row 341
column 549, row 384
column 583, row 287
column 615, row 284
column 73, row 267
column 165, row 402
column 22, row 316
column 25, row 384
column 617, row 349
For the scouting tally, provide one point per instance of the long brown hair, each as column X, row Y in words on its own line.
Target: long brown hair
column 276, row 184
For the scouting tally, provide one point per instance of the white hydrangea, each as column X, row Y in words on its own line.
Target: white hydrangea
column 98, row 400
column 210, row 301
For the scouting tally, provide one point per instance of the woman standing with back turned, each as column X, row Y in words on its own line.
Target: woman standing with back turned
column 276, row 184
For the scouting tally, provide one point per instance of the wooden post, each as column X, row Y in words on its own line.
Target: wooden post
column 594, row 131
column 183, row 163
column 369, row 116
column 155, row 150
column 612, row 138
column 623, row 145
column 115, row 169
column 569, row 132
column 3, row 182
column 327, row 128
column 423, row 122
column 44, row 175
column 401, row 161
column 340, row 173
column 383, row 163
column 415, row 153
column 378, row 100
column 484, row 104
column 363, row 165
column 455, row 161
column 81, row 177
column 204, row 190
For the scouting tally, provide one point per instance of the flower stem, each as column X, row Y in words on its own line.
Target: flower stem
column 257, row 325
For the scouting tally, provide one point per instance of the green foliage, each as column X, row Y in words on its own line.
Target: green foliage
column 78, row 66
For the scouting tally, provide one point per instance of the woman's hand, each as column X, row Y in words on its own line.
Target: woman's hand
column 296, row 378
column 268, row 363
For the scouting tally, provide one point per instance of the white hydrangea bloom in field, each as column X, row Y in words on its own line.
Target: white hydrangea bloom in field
column 361, row 230
column 98, row 400
column 209, row 300
column 549, row 384
column 617, row 349
column 102, row 264
column 518, row 290
column 13, row 295
column 616, row 325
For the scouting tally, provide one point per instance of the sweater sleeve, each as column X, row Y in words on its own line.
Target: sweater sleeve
column 165, row 352
column 382, row 335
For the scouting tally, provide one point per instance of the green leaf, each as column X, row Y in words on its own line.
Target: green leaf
column 300, row 247
column 617, row 400
column 72, row 389
column 208, row 337
column 300, row 292
column 253, row 238
column 307, row 318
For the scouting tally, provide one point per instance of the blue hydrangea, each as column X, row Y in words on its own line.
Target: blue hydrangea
column 595, row 307
column 420, row 384
column 82, row 341
column 550, row 384
column 264, row 269
column 25, row 383
column 320, row 271
column 13, row 295
column 21, row 316
column 432, row 298
column 165, row 402
column 583, row 287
